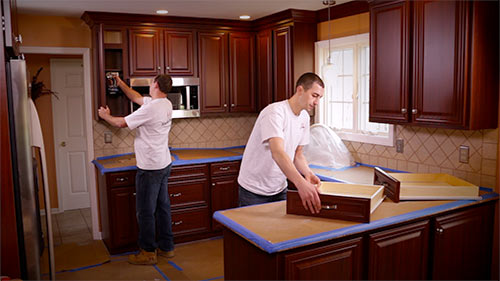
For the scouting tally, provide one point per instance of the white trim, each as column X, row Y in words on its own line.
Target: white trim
column 373, row 139
column 85, row 52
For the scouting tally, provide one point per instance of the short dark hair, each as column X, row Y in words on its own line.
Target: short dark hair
column 307, row 80
column 164, row 82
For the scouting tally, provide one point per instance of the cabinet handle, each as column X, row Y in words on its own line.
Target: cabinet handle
column 168, row 67
column 439, row 230
column 213, row 184
column 223, row 168
column 177, row 223
column 159, row 67
column 329, row 207
column 122, row 179
column 176, row 194
column 225, row 105
column 232, row 105
column 134, row 193
column 403, row 110
column 414, row 111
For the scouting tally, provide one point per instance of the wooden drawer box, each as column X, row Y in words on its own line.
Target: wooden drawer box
column 190, row 221
column 188, row 193
column 186, row 172
column 353, row 202
column 119, row 179
column 225, row 168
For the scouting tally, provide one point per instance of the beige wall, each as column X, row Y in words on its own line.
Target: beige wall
column 426, row 150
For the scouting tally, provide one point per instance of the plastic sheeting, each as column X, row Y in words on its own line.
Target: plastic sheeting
column 327, row 149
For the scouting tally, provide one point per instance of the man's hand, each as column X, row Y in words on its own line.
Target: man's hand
column 312, row 178
column 104, row 112
column 308, row 193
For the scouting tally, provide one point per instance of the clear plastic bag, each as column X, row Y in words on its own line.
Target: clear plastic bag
column 326, row 149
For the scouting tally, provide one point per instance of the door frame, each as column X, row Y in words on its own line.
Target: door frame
column 85, row 52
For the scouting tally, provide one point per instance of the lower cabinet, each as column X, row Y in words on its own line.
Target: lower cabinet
column 224, row 188
column 124, row 227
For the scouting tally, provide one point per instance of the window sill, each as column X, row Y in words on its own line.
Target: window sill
column 372, row 139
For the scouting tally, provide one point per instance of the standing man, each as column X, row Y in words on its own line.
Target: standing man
column 153, row 121
column 274, row 150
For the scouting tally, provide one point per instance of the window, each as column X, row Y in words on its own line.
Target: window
column 345, row 106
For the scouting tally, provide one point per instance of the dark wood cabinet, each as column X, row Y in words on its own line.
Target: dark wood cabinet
column 242, row 72
column 123, row 224
column 224, row 188
column 462, row 244
column 338, row 261
column 434, row 63
column 264, row 54
column 179, row 52
column 144, row 52
column 282, row 63
column 399, row 253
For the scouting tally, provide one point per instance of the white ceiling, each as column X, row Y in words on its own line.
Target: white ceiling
column 222, row 9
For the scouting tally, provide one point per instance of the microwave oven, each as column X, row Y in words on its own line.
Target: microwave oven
column 184, row 95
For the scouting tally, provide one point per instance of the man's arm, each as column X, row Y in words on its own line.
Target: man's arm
column 300, row 162
column 131, row 94
column 105, row 114
column 307, row 191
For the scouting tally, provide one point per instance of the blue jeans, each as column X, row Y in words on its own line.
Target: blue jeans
column 247, row 198
column 153, row 209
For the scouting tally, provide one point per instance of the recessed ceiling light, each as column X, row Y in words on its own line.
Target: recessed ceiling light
column 162, row 12
column 245, row 17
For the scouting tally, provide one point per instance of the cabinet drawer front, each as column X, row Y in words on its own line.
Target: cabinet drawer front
column 225, row 168
column 190, row 221
column 121, row 179
column 179, row 173
column 188, row 193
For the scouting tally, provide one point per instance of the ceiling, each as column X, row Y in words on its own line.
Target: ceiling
column 222, row 9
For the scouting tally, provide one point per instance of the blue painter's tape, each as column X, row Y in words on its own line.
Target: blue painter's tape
column 383, row 168
column 215, row 278
column 294, row 243
column 84, row 267
column 161, row 272
column 334, row 169
column 325, row 178
column 206, row 160
column 175, row 265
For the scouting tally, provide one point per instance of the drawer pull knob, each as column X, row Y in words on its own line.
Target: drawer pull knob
column 176, row 194
column 329, row 207
column 213, row 184
column 134, row 194
column 223, row 168
column 439, row 230
column 122, row 179
column 176, row 222
column 403, row 110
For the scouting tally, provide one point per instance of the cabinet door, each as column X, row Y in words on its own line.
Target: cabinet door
column 339, row 261
column 389, row 61
column 179, row 52
column 264, row 69
column 439, row 62
column 399, row 253
column 213, row 71
column 224, row 191
column 144, row 52
column 462, row 245
column 241, row 75
column 123, row 219
column 282, row 64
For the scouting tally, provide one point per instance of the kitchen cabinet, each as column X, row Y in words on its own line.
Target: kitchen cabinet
column 155, row 51
column 227, row 69
column 434, row 63
column 224, row 188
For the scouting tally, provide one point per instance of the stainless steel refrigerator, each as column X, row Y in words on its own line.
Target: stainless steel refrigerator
column 27, row 211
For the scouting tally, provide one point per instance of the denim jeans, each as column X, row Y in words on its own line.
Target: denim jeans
column 247, row 198
column 153, row 209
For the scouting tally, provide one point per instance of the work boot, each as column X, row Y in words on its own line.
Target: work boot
column 143, row 257
column 166, row 254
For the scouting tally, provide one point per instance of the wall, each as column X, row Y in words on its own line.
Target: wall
column 426, row 150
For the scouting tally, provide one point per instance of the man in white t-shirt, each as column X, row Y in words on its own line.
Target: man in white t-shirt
column 274, row 150
column 153, row 121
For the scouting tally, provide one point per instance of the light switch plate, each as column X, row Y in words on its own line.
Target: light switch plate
column 463, row 154
column 108, row 137
column 399, row 145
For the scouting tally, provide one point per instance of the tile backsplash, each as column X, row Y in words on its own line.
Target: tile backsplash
column 430, row 150
column 426, row 150
column 213, row 131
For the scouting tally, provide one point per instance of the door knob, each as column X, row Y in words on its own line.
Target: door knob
column 414, row 111
column 403, row 110
column 63, row 143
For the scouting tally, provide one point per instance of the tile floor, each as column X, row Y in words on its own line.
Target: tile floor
column 73, row 226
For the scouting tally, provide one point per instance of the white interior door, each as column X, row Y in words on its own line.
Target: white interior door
column 70, row 137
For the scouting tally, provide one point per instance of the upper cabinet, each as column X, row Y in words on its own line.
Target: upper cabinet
column 144, row 55
column 179, row 52
column 12, row 39
column 434, row 63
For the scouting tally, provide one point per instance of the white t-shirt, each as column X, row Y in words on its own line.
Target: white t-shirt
column 153, row 121
column 258, row 172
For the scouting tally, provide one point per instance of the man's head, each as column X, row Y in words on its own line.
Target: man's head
column 309, row 89
column 162, row 83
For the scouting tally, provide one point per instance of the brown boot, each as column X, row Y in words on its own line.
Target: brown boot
column 166, row 254
column 143, row 257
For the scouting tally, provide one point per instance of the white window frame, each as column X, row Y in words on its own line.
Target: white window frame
column 386, row 140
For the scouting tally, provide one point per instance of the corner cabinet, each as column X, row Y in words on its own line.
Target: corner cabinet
column 434, row 63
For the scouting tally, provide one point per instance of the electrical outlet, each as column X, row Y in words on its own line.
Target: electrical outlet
column 108, row 137
column 399, row 145
column 463, row 154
